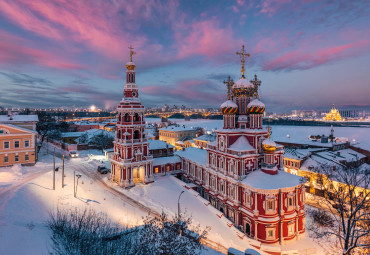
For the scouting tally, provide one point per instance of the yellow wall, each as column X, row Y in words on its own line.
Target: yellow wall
column 12, row 135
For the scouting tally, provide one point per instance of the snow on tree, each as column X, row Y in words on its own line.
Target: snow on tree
column 346, row 200
column 161, row 235
column 85, row 232
column 102, row 140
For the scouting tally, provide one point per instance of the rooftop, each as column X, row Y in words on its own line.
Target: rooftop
column 197, row 155
column 19, row 118
column 260, row 180
column 241, row 144
column 158, row 144
column 178, row 128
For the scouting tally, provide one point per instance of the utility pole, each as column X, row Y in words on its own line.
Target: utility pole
column 63, row 173
column 78, row 177
column 54, row 172
column 74, row 183
column 178, row 203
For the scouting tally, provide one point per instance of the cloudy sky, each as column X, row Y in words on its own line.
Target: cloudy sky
column 309, row 54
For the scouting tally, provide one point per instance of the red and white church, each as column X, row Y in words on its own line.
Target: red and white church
column 241, row 173
column 131, row 162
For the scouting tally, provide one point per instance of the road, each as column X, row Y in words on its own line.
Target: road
column 90, row 171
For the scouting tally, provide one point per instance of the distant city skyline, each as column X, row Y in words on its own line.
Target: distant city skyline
column 308, row 54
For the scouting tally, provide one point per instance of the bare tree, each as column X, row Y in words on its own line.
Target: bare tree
column 102, row 140
column 345, row 190
column 85, row 232
column 162, row 235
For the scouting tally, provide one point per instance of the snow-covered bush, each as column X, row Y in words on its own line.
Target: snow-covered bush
column 86, row 232
column 161, row 235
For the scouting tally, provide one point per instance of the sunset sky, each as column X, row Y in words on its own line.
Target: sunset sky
column 309, row 54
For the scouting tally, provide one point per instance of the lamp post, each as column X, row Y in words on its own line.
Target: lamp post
column 54, row 172
column 178, row 203
column 75, row 185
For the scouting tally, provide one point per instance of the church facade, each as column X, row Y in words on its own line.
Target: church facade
column 243, row 173
column 131, row 162
column 240, row 173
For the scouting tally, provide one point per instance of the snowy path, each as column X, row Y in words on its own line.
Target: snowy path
column 92, row 174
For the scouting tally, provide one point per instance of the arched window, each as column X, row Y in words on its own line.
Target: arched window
column 127, row 117
column 136, row 134
column 136, row 117
column 119, row 134
column 119, row 117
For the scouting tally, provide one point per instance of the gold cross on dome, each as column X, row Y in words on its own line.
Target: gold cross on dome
column 268, row 132
column 131, row 52
column 256, row 84
column 243, row 56
column 229, row 83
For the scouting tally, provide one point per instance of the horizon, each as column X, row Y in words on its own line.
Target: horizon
column 308, row 54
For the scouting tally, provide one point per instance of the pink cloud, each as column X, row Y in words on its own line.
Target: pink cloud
column 270, row 7
column 13, row 51
column 205, row 38
column 300, row 59
column 200, row 91
column 95, row 24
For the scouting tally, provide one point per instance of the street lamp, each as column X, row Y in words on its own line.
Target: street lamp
column 178, row 204
column 74, row 182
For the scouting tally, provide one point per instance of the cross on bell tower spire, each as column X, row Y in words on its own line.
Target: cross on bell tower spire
column 229, row 83
column 243, row 56
column 256, row 84
column 131, row 52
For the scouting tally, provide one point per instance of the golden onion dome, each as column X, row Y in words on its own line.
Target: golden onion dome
column 268, row 146
column 229, row 107
column 256, row 107
column 130, row 66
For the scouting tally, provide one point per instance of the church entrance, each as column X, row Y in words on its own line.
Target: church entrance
column 247, row 229
column 138, row 174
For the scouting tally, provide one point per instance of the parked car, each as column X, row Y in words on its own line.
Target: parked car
column 73, row 154
column 102, row 169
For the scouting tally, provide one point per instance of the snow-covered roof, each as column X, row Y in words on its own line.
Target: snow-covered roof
column 206, row 137
column 299, row 153
column 345, row 154
column 166, row 160
column 243, row 83
column 197, row 155
column 18, row 127
column 158, row 144
column 269, row 142
column 178, row 128
column 260, row 180
column 72, row 134
column 90, row 133
column 229, row 103
column 256, row 102
column 241, row 144
column 19, row 118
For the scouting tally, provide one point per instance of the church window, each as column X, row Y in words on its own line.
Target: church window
column 136, row 134
column 136, row 117
column 291, row 229
column 290, row 201
column 270, row 233
column 127, row 117
column 270, row 205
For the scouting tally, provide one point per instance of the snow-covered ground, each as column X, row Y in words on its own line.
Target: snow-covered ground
column 296, row 133
column 27, row 197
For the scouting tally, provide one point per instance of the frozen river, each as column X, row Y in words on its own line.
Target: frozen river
column 361, row 135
